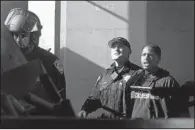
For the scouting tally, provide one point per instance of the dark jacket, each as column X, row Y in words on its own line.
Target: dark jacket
column 108, row 91
column 152, row 95
column 53, row 67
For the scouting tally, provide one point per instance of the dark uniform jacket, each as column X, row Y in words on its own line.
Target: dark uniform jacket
column 152, row 95
column 108, row 92
column 53, row 67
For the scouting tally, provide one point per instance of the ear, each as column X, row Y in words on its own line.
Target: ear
column 159, row 59
column 35, row 37
column 130, row 51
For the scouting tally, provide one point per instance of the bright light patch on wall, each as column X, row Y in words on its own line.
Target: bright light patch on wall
column 46, row 12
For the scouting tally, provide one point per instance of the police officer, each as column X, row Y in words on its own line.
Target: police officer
column 152, row 92
column 108, row 90
column 25, row 27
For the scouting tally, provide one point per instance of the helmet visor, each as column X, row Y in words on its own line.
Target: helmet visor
column 19, row 20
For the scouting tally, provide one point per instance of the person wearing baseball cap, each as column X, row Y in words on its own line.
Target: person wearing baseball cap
column 108, row 92
column 119, row 40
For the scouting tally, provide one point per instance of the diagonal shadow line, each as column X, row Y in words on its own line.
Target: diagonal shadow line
column 108, row 11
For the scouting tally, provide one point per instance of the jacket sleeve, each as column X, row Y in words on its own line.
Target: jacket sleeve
column 93, row 102
column 173, row 99
column 58, row 77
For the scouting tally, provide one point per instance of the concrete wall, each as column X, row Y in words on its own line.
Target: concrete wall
column 45, row 10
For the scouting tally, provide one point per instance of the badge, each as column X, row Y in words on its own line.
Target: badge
column 126, row 77
column 114, row 75
column 59, row 66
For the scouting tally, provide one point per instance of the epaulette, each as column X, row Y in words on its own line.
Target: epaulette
column 108, row 69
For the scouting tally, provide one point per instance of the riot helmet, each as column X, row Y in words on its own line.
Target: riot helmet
column 21, row 21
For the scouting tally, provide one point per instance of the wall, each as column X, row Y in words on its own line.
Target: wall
column 45, row 10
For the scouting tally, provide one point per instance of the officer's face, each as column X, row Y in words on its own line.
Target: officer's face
column 149, row 59
column 119, row 52
column 22, row 39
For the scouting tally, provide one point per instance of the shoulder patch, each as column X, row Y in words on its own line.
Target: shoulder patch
column 59, row 66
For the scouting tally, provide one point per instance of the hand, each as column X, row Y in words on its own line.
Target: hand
column 83, row 114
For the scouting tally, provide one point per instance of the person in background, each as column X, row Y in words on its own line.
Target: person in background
column 108, row 91
column 152, row 92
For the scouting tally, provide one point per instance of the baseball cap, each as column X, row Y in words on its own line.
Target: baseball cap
column 119, row 40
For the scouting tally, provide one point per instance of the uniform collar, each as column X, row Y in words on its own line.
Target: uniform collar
column 123, row 69
column 127, row 64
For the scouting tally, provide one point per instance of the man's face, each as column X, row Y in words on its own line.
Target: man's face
column 22, row 39
column 149, row 59
column 120, row 52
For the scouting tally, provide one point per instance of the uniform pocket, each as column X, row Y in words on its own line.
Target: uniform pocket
column 103, row 86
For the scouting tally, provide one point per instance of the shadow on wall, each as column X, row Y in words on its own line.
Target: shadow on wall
column 110, row 12
column 81, row 69
column 170, row 24
column 136, row 33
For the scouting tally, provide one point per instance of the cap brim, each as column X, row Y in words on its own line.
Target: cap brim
column 112, row 42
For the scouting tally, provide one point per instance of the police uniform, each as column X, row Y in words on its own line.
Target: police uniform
column 24, row 21
column 53, row 67
column 20, row 21
column 152, row 95
column 108, row 91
